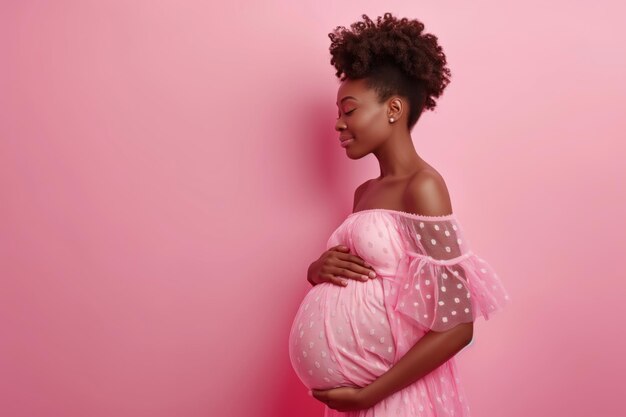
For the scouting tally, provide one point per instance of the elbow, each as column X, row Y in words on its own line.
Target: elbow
column 466, row 331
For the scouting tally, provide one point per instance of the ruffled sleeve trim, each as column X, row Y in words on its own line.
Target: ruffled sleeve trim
column 440, row 294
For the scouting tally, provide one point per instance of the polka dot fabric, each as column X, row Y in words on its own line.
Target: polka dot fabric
column 427, row 280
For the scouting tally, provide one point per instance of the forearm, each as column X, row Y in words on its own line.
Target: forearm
column 431, row 351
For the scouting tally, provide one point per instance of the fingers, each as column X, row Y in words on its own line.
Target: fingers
column 353, row 270
column 334, row 279
column 340, row 265
column 318, row 394
column 355, row 259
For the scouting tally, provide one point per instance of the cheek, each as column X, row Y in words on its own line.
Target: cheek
column 369, row 125
column 372, row 126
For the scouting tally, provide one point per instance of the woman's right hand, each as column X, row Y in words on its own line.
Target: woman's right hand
column 336, row 264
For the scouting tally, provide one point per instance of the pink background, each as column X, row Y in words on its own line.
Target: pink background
column 168, row 171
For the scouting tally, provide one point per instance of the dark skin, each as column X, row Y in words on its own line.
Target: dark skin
column 406, row 183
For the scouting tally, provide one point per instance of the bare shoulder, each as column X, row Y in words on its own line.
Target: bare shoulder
column 427, row 194
column 358, row 192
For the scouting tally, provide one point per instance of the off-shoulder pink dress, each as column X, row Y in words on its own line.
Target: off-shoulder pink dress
column 427, row 279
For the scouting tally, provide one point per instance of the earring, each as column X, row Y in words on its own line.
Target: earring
column 391, row 120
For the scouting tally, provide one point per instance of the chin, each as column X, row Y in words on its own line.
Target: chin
column 355, row 154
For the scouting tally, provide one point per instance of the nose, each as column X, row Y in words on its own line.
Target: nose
column 339, row 125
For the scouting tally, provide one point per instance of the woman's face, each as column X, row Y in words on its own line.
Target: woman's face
column 362, row 118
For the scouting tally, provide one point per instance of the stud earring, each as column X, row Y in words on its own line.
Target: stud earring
column 391, row 120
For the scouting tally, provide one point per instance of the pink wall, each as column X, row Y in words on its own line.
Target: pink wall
column 168, row 170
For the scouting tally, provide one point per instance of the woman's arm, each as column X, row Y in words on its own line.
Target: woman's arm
column 431, row 351
column 426, row 194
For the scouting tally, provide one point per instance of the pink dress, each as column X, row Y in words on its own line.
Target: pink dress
column 427, row 279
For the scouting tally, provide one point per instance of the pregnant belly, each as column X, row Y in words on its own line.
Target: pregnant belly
column 340, row 336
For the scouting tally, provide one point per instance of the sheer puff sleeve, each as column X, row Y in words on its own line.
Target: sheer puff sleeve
column 440, row 282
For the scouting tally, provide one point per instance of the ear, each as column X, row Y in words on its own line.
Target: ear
column 395, row 108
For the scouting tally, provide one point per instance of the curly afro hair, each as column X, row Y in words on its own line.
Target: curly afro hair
column 394, row 56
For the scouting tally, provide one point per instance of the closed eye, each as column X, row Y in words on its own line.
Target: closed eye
column 348, row 112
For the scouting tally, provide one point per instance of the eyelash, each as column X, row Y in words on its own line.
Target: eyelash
column 349, row 112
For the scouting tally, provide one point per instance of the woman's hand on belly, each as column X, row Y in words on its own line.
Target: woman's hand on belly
column 336, row 264
column 343, row 398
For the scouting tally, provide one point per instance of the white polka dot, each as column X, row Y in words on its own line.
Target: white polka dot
column 421, row 225
column 317, row 364
column 443, row 288
column 456, row 300
column 382, row 339
column 433, row 241
column 447, row 248
column 436, row 227
column 441, row 302
column 372, row 331
column 304, row 353
column 466, row 310
column 447, row 233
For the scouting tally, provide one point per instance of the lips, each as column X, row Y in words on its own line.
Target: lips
column 345, row 142
column 345, row 138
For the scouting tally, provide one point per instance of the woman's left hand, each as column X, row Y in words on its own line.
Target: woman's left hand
column 343, row 398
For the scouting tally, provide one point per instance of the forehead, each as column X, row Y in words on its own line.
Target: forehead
column 354, row 88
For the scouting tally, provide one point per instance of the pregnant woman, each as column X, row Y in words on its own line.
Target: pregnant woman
column 397, row 291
